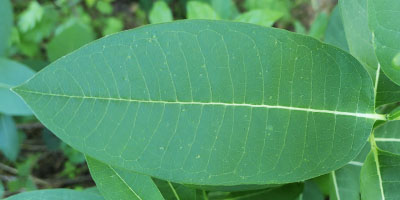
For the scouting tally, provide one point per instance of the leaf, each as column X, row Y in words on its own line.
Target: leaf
column 174, row 191
column 319, row 25
column 359, row 37
column 160, row 13
column 285, row 192
column 281, row 6
column 226, row 9
column 1, row 189
column 112, row 25
column 200, row 10
column 195, row 102
column 30, row 17
column 379, row 176
column 263, row 17
column 73, row 35
column 387, row 136
column 55, row 194
column 311, row 191
column 12, row 74
column 344, row 183
column 386, row 31
column 387, row 91
column 6, row 21
column 130, row 185
column 9, row 143
column 335, row 34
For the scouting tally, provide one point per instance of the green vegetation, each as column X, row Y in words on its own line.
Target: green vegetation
column 217, row 106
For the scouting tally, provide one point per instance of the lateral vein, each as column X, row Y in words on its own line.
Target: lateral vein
column 360, row 115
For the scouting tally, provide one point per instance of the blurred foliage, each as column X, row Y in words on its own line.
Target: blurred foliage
column 35, row 33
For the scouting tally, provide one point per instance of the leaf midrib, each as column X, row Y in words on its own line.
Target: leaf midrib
column 355, row 114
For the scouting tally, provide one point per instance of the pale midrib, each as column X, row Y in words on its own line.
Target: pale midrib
column 360, row 115
column 335, row 185
column 387, row 139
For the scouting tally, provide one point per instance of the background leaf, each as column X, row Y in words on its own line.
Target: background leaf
column 335, row 34
column 70, row 37
column 56, row 194
column 382, row 15
column 226, row 9
column 387, row 137
column 174, row 191
column 200, row 10
column 115, row 183
column 13, row 74
column 9, row 142
column 6, row 21
column 379, row 176
column 160, row 12
column 131, row 108
column 359, row 37
column 263, row 17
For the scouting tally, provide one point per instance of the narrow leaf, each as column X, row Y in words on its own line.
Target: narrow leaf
column 12, row 74
column 382, row 15
column 56, row 194
column 195, row 102
column 115, row 183
column 9, row 143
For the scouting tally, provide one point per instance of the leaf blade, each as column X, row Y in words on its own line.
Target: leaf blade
column 150, row 98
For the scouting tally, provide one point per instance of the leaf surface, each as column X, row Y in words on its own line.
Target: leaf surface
column 160, row 13
column 335, row 34
column 9, row 143
column 115, row 183
column 379, row 176
column 174, row 191
column 196, row 101
column 359, row 37
column 12, row 74
column 56, row 194
column 200, row 10
column 387, row 137
column 70, row 37
column 383, row 21
column 6, row 21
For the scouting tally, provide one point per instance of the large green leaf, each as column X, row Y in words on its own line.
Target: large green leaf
column 209, row 103
column 335, row 34
column 6, row 22
column 56, row 194
column 380, row 176
column 359, row 37
column 9, row 143
column 130, row 185
column 12, row 74
column 383, row 21
column 70, row 36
